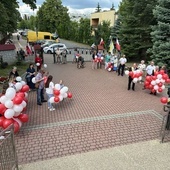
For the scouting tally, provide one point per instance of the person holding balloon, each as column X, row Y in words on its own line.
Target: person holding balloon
column 130, row 78
column 40, row 89
column 38, row 62
column 49, row 86
column 30, row 74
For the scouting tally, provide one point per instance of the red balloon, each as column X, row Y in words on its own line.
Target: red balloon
column 57, row 92
column 131, row 73
column 154, row 77
column 23, row 117
column 7, row 122
column 160, row 89
column 164, row 100
column 160, row 84
column 24, row 109
column 146, row 83
column 17, row 100
column 69, row 95
column 95, row 60
column 137, row 75
column 167, row 80
column 25, row 88
column 156, row 73
column 141, row 73
column 56, row 99
column 151, row 86
column 153, row 91
column 16, row 127
column 165, row 76
column 25, row 99
column 148, row 78
column 2, row 108
column 21, row 94
column 1, row 121
column 161, row 72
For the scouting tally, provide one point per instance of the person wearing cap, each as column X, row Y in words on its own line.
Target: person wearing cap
column 40, row 89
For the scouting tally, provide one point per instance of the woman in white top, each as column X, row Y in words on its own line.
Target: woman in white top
column 49, row 85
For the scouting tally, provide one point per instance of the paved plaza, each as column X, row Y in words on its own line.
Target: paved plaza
column 102, row 114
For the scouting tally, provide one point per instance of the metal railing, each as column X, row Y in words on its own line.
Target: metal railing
column 8, row 156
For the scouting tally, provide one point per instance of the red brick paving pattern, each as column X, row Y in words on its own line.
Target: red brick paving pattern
column 96, row 93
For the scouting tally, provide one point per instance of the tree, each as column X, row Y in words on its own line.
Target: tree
column 98, row 8
column 161, row 34
column 136, row 18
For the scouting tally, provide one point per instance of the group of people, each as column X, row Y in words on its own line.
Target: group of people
column 61, row 56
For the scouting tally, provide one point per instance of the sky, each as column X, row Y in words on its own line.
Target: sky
column 74, row 6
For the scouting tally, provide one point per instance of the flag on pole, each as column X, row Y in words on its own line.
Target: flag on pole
column 117, row 45
column 111, row 47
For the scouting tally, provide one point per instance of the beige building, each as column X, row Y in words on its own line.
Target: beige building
column 98, row 17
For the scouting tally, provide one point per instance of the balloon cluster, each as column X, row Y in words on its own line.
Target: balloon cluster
column 136, row 75
column 13, row 104
column 109, row 67
column 98, row 59
column 156, row 82
column 60, row 94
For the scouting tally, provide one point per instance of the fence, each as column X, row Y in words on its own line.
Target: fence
column 8, row 156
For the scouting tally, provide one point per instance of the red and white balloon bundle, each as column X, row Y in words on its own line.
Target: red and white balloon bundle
column 60, row 94
column 109, row 67
column 13, row 104
column 156, row 82
column 136, row 75
column 98, row 59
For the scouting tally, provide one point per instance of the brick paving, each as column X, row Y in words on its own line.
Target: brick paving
column 101, row 114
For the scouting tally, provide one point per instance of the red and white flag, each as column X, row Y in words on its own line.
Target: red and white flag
column 117, row 45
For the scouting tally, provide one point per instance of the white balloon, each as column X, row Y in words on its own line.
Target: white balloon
column 45, row 65
column 102, row 58
column 62, row 91
column 18, row 78
column 95, row 56
column 162, row 81
column 138, row 71
column 9, row 104
column 159, row 76
column 109, row 69
column 18, row 108
column 140, row 78
column 17, row 114
column 134, row 72
column 18, row 86
column 23, row 104
column 65, row 89
column 10, row 93
column 38, row 64
column 163, row 87
column 60, row 97
column 135, row 80
column 65, row 95
column 23, row 83
column 33, row 80
column 57, row 87
column 126, row 72
column 3, row 99
column 156, row 87
column 51, row 100
column 9, row 113
column 153, row 82
column 158, row 81
column 157, row 92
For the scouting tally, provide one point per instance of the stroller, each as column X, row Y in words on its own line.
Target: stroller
column 80, row 62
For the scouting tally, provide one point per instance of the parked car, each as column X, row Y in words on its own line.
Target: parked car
column 48, row 43
column 51, row 48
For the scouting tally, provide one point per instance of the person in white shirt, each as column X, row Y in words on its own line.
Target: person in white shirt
column 58, row 54
column 121, row 68
column 150, row 69
column 49, row 85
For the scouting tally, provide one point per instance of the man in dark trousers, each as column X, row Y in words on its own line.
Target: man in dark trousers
column 121, row 67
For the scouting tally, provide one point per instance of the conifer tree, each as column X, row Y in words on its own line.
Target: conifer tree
column 161, row 34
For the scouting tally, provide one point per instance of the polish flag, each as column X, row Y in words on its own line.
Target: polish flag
column 102, row 42
column 117, row 45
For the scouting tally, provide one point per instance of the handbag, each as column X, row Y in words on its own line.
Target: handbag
column 37, row 85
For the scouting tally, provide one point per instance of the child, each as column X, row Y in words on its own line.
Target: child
column 61, row 84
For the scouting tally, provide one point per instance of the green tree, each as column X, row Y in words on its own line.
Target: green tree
column 161, row 34
column 136, row 18
column 98, row 8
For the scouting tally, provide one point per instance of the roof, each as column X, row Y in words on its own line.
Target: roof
column 7, row 47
